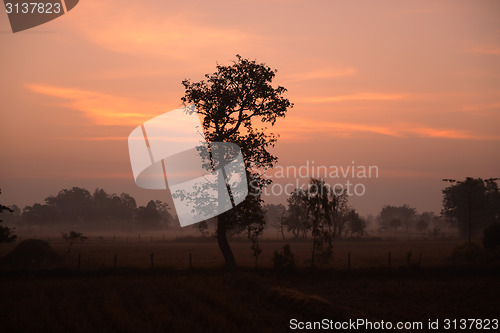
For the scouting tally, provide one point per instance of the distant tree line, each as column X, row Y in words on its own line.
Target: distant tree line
column 405, row 220
column 306, row 211
column 77, row 207
column 469, row 207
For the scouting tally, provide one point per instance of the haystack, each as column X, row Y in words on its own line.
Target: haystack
column 32, row 253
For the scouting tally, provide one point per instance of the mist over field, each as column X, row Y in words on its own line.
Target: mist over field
column 145, row 272
column 249, row 166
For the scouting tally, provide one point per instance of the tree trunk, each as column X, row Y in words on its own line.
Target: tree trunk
column 281, row 227
column 313, row 251
column 224, row 247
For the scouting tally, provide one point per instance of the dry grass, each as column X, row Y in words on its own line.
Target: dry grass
column 98, row 253
column 211, row 300
column 133, row 298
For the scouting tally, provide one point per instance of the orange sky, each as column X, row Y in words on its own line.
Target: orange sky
column 411, row 87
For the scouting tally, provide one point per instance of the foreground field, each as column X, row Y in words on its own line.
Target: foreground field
column 210, row 300
column 99, row 252
column 421, row 283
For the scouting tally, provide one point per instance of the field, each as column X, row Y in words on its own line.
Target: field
column 134, row 250
column 132, row 297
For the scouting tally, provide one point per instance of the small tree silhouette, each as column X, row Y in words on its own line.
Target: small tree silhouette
column 491, row 239
column 284, row 260
column 6, row 235
column 73, row 237
column 254, row 232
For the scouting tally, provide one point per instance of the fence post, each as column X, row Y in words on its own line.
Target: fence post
column 152, row 260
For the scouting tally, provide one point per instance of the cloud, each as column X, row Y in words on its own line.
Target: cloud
column 104, row 138
column 158, row 30
column 322, row 74
column 103, row 109
column 477, row 108
column 365, row 96
column 298, row 128
column 446, row 133
column 485, row 49
column 403, row 13
column 95, row 175
column 410, row 173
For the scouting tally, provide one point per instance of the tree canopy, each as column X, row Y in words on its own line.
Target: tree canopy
column 472, row 204
column 238, row 103
column 101, row 210
column 6, row 235
column 393, row 217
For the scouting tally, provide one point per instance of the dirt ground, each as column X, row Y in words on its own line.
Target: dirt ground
column 131, row 251
column 132, row 297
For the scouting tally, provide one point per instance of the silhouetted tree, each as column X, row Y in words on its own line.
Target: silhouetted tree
column 327, row 208
column 296, row 216
column 236, row 102
column 424, row 220
column 342, row 212
column 147, row 217
column 274, row 216
column 285, row 259
column 407, row 213
column 100, row 208
column 254, row 231
column 39, row 214
column 12, row 216
column 355, row 223
column 393, row 217
column 73, row 237
column 78, row 206
column 491, row 238
column 107, row 209
column 422, row 225
column 72, row 205
column 125, row 207
column 322, row 202
column 166, row 219
column 324, row 212
column 395, row 224
column 6, row 235
column 471, row 205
